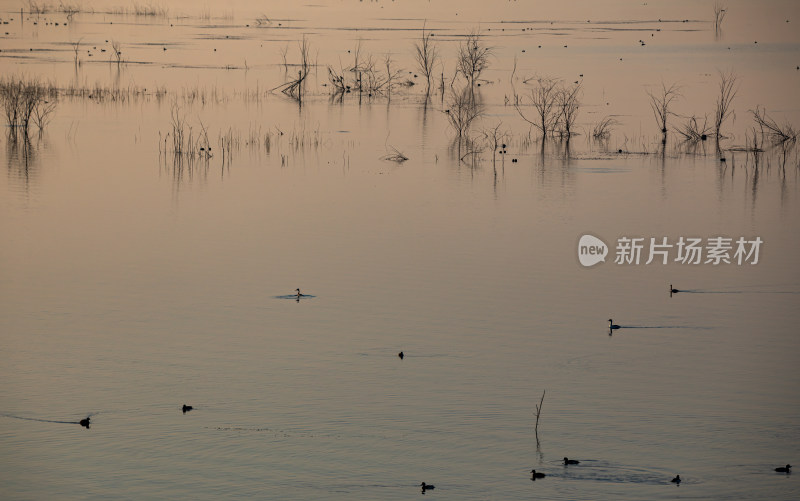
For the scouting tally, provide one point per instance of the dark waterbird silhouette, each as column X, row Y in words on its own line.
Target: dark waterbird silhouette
column 296, row 295
column 677, row 479
column 401, row 355
column 699, row 327
column 299, row 294
column 672, row 291
column 740, row 291
column 784, row 469
column 426, row 487
column 186, row 408
column 612, row 325
column 571, row 461
column 535, row 475
column 83, row 422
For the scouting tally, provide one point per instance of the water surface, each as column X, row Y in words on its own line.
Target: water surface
column 133, row 282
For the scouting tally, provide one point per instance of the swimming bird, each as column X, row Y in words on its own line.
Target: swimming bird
column 401, row 355
column 535, row 475
column 611, row 325
column 673, row 291
column 298, row 293
column 186, row 408
column 784, row 469
column 85, row 422
column 426, row 487
column 571, row 461
column 677, row 479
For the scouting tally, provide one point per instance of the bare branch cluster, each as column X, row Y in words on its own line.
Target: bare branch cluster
column 727, row 92
column 463, row 109
column 473, row 57
column 365, row 75
column 295, row 87
column 776, row 132
column 426, row 56
column 660, row 102
column 555, row 106
column 567, row 105
column 602, row 130
column 116, row 47
column 693, row 130
column 25, row 101
column 182, row 141
column 720, row 11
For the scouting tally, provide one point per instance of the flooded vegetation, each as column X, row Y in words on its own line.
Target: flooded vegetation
column 427, row 173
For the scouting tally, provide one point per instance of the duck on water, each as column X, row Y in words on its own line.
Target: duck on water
column 784, row 469
column 612, row 325
column 535, row 475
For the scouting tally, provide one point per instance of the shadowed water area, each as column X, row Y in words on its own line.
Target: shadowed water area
column 183, row 189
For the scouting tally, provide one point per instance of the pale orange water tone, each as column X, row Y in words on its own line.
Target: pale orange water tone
column 442, row 294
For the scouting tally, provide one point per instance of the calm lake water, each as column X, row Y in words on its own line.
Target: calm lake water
column 134, row 281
